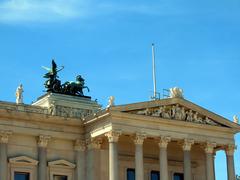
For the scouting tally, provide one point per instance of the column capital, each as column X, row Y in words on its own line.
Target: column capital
column 94, row 143
column 113, row 136
column 80, row 145
column 209, row 147
column 164, row 140
column 4, row 136
column 139, row 138
column 43, row 140
column 187, row 144
column 230, row 148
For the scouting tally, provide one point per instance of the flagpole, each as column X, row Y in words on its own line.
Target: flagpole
column 154, row 73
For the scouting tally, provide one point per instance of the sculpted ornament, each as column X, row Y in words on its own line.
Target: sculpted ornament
column 209, row 147
column 94, row 143
column 235, row 119
column 177, row 112
column 187, row 144
column 111, row 101
column 4, row 136
column 43, row 140
column 139, row 138
column 230, row 149
column 113, row 136
column 164, row 140
column 176, row 92
column 80, row 145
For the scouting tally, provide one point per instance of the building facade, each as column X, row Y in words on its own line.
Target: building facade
column 63, row 137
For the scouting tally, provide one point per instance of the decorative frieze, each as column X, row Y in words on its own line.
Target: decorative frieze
column 176, row 112
column 187, row 144
column 139, row 138
column 209, row 147
column 230, row 149
column 4, row 136
column 64, row 111
column 113, row 136
column 43, row 140
column 80, row 145
column 164, row 140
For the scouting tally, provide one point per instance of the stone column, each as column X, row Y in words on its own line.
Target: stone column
column 230, row 161
column 139, row 166
column 80, row 148
column 93, row 158
column 163, row 157
column 42, row 156
column 187, row 158
column 209, row 150
column 113, row 154
column 4, row 137
column 214, row 155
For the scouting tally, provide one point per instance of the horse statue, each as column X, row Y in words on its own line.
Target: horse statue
column 74, row 88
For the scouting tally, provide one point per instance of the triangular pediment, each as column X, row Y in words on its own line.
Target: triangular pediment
column 61, row 163
column 177, row 109
column 23, row 159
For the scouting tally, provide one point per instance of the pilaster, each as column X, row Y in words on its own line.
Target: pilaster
column 80, row 159
column 42, row 156
column 4, row 138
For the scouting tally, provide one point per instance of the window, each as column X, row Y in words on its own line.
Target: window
column 23, row 168
column 61, row 170
column 130, row 174
column 155, row 175
column 178, row 176
column 59, row 177
column 21, row 176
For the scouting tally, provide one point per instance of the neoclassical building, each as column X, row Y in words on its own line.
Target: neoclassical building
column 64, row 137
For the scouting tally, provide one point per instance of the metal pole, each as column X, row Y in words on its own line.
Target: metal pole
column 154, row 74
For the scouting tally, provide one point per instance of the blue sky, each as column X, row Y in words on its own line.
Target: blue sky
column 109, row 43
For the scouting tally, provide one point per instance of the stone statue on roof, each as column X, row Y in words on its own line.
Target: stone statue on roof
column 19, row 94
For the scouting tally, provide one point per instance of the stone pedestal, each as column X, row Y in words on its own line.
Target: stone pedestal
column 67, row 105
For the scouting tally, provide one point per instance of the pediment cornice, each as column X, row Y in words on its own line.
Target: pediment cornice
column 61, row 163
column 23, row 160
column 177, row 109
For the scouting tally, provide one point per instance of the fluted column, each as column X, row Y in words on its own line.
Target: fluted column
column 139, row 170
column 42, row 156
column 230, row 161
column 93, row 158
column 113, row 154
column 209, row 150
column 4, row 137
column 187, row 144
column 163, row 157
column 80, row 149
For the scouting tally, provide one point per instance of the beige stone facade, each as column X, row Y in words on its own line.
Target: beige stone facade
column 69, row 137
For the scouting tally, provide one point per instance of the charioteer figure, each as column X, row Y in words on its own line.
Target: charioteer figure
column 53, row 84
